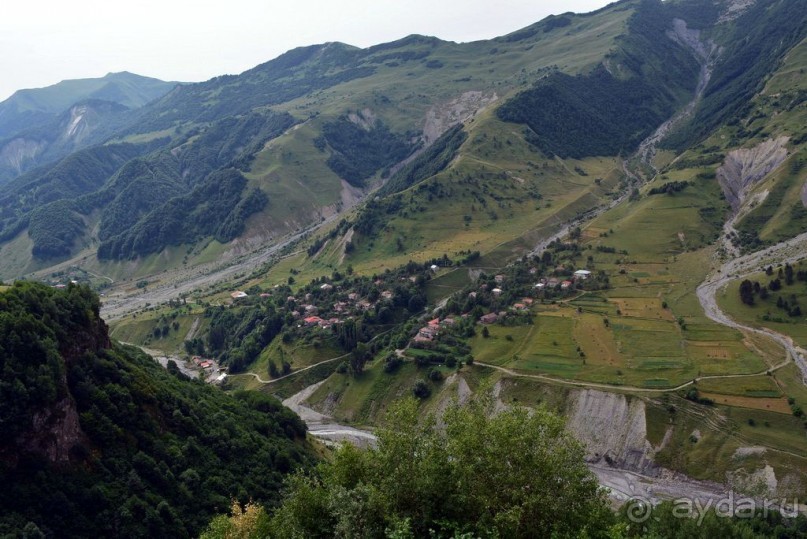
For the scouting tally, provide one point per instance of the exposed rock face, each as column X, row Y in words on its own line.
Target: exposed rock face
column 54, row 432
column 735, row 8
column 745, row 167
column 19, row 152
column 443, row 117
column 691, row 39
column 613, row 429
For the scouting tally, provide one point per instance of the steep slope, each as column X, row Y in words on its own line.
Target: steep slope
column 27, row 108
column 360, row 114
column 99, row 440
column 724, row 402
column 41, row 125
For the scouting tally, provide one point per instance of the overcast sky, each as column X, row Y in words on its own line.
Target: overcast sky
column 45, row 41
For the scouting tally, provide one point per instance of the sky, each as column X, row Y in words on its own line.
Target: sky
column 45, row 41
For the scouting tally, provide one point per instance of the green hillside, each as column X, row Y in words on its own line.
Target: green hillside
column 99, row 440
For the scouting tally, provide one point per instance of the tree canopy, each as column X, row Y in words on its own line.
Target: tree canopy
column 517, row 473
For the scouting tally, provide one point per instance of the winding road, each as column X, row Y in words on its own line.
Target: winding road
column 789, row 251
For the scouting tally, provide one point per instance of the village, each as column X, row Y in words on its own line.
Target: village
column 395, row 301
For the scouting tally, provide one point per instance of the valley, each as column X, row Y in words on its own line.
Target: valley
column 601, row 216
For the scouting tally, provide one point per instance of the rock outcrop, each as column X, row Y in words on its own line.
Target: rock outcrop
column 745, row 167
column 613, row 428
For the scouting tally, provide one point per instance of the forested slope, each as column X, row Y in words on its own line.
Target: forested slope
column 98, row 440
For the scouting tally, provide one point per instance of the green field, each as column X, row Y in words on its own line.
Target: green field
column 765, row 313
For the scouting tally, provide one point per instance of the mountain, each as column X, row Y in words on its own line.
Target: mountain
column 43, row 124
column 602, row 215
column 99, row 440
column 27, row 108
column 357, row 114
column 572, row 216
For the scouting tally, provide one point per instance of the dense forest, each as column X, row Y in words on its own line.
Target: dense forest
column 610, row 111
column 758, row 43
column 359, row 152
column 511, row 474
column 98, row 440
column 434, row 159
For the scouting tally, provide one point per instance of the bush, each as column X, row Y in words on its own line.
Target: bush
column 421, row 389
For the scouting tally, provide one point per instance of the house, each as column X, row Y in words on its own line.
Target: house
column 427, row 333
column 311, row 309
column 520, row 307
column 499, row 279
column 489, row 318
column 472, row 294
column 386, row 294
column 565, row 285
column 448, row 322
column 526, row 301
column 434, row 323
column 540, row 286
column 533, row 271
column 312, row 320
column 291, row 299
column 206, row 364
column 582, row 274
column 364, row 304
column 265, row 295
column 353, row 296
column 434, row 268
column 496, row 291
column 339, row 306
column 553, row 282
column 326, row 287
column 238, row 294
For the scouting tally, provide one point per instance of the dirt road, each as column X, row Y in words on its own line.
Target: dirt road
column 322, row 426
column 789, row 251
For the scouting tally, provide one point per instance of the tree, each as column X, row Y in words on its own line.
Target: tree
column 243, row 523
column 747, row 292
column 513, row 474
column 421, row 389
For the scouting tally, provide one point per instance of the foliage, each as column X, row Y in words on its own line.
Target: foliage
column 290, row 75
column 76, row 175
column 250, row 522
column 158, row 456
column 54, row 228
column 360, row 152
column 433, row 160
column 600, row 113
column 674, row 520
column 669, row 188
column 758, row 41
column 212, row 208
column 514, row 474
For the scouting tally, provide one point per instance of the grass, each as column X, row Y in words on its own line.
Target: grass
column 755, row 315
column 140, row 331
column 298, row 355
column 446, row 283
column 365, row 398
